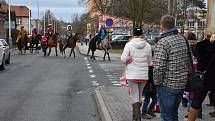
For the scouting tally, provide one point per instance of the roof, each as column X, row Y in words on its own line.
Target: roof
column 21, row 11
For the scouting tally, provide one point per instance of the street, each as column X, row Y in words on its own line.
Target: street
column 37, row 88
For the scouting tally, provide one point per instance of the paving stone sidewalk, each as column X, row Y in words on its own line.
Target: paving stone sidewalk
column 114, row 105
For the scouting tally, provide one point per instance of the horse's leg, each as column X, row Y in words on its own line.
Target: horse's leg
column 49, row 50
column 104, row 54
column 44, row 50
column 108, row 55
column 73, row 52
column 70, row 52
column 92, row 55
column 56, row 50
column 64, row 51
column 88, row 51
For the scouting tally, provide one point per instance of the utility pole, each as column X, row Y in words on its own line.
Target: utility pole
column 9, row 26
column 44, row 24
column 29, row 19
column 38, row 10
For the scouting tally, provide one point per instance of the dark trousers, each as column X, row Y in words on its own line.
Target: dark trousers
column 146, row 108
column 199, row 96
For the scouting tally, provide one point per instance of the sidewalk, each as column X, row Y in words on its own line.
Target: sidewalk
column 113, row 105
column 113, row 102
column 98, row 53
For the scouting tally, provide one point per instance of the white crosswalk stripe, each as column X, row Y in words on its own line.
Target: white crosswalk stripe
column 113, row 71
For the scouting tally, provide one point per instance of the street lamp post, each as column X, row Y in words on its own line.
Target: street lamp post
column 38, row 10
column 9, row 26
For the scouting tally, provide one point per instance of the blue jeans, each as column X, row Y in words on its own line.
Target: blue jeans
column 169, row 101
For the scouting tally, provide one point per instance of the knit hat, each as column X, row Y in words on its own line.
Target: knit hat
column 137, row 31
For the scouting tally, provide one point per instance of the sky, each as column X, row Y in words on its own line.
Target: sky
column 62, row 9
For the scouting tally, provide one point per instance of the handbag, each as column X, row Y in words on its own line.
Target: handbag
column 195, row 77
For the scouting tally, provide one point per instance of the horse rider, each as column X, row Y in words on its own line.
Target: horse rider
column 22, row 36
column 49, row 32
column 68, row 33
column 102, row 34
column 34, row 32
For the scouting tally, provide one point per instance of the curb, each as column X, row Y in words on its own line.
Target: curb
column 104, row 113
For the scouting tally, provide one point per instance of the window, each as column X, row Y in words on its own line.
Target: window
column 18, row 21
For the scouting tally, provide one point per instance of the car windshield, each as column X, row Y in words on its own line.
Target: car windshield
column 4, row 43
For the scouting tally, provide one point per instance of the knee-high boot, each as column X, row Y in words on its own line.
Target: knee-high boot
column 136, row 116
column 192, row 114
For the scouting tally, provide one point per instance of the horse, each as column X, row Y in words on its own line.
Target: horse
column 71, row 43
column 21, row 44
column 52, row 42
column 34, row 43
column 105, row 45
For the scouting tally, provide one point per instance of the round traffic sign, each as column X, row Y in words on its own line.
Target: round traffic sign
column 109, row 22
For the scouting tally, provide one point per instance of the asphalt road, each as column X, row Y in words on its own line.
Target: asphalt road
column 37, row 88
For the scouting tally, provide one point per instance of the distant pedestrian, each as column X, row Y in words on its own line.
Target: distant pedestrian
column 171, row 62
column 137, row 56
column 206, row 64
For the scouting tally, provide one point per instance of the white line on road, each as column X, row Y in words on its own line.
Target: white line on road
column 92, row 76
column 90, row 71
column 88, row 64
column 89, row 67
column 85, row 58
column 95, row 83
column 117, row 84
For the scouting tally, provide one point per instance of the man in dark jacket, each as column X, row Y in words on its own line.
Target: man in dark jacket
column 206, row 63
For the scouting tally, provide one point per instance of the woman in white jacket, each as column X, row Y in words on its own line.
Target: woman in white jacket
column 137, row 56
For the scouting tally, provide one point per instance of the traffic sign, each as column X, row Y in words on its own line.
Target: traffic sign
column 109, row 22
column 89, row 26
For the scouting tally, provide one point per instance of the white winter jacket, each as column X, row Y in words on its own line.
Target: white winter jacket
column 141, row 53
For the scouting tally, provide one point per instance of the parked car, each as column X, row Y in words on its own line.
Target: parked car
column 6, row 51
column 120, row 41
column 2, row 58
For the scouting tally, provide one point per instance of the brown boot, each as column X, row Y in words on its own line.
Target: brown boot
column 136, row 112
column 193, row 114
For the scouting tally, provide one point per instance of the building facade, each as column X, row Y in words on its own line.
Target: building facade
column 3, row 18
column 22, row 16
column 211, row 16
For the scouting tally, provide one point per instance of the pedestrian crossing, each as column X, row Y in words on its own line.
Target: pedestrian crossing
column 113, row 71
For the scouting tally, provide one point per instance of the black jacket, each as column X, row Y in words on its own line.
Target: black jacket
column 205, row 51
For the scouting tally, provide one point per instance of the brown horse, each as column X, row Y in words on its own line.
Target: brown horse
column 22, row 44
column 105, row 45
column 52, row 42
column 71, row 43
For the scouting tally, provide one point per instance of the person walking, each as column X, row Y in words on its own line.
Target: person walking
column 171, row 62
column 206, row 63
column 137, row 56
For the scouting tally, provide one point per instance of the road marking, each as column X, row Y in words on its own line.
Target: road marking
column 95, row 83
column 117, row 84
column 92, row 76
column 85, row 58
column 89, row 67
column 88, row 64
column 114, row 81
column 90, row 71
